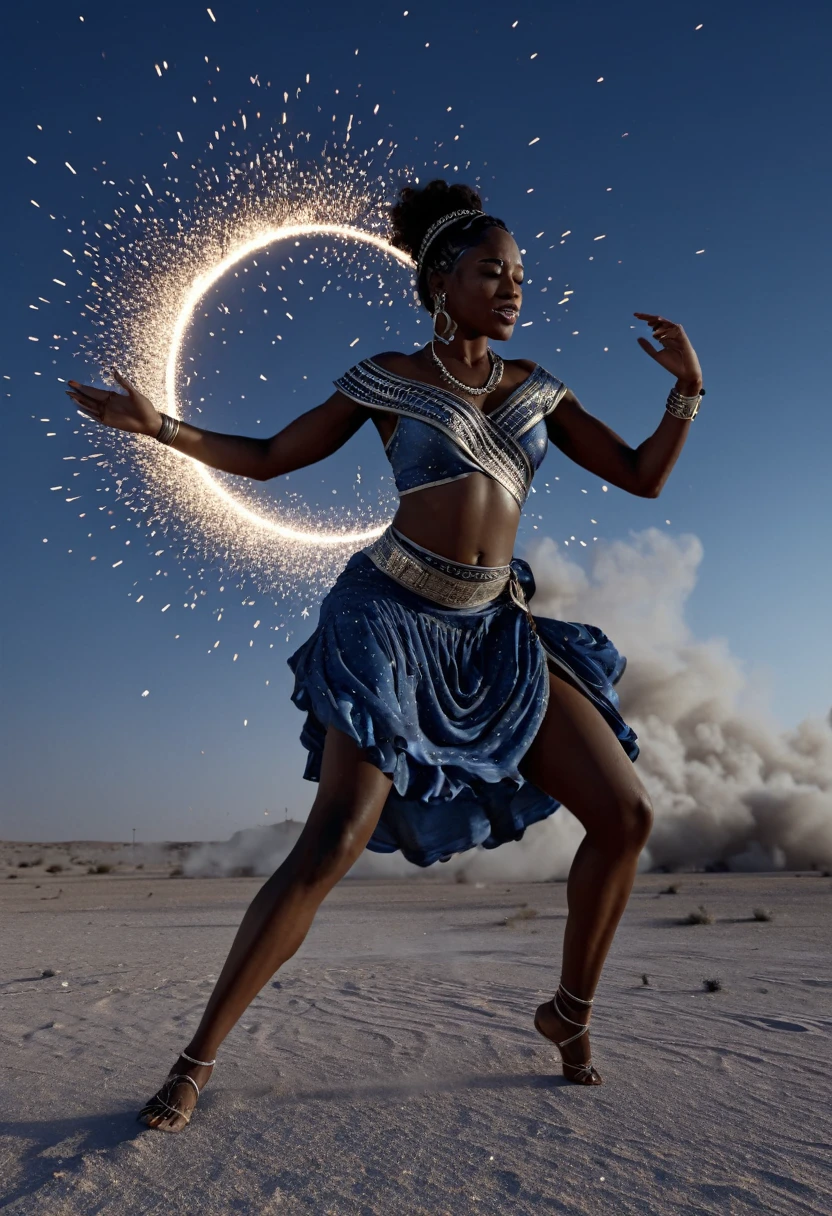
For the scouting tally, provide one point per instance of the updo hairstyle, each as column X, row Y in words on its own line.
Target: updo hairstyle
column 417, row 209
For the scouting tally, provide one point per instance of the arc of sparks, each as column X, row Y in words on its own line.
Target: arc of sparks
column 200, row 285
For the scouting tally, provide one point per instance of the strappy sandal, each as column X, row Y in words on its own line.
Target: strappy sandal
column 585, row 1073
column 159, row 1103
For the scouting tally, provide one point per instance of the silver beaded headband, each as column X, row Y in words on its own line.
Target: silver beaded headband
column 436, row 228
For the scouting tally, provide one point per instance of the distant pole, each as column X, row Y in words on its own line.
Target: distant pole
column 134, row 840
column 285, row 813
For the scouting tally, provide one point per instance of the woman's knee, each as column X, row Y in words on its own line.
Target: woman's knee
column 629, row 825
column 331, row 843
column 351, row 796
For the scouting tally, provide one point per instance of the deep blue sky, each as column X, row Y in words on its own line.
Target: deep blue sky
column 726, row 150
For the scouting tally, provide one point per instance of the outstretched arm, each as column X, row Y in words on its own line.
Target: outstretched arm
column 593, row 445
column 311, row 437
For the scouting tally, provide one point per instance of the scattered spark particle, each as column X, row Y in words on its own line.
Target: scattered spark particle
column 536, row 140
column 146, row 692
column 210, row 14
column 69, row 166
column 32, row 159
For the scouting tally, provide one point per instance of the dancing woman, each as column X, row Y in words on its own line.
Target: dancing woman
column 439, row 713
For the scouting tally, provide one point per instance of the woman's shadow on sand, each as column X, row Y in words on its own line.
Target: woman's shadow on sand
column 55, row 1147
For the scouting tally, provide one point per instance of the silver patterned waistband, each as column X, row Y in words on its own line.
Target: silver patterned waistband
column 451, row 584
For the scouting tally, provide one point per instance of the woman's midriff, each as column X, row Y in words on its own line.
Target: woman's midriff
column 472, row 520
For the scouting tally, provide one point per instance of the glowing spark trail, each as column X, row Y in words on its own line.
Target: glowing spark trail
column 198, row 289
column 155, row 276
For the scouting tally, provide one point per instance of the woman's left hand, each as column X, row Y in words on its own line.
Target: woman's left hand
column 677, row 356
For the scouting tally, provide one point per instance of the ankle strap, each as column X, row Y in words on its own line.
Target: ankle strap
column 183, row 1055
column 576, row 999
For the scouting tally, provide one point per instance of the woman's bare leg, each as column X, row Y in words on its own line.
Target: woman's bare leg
column 576, row 758
column 350, row 799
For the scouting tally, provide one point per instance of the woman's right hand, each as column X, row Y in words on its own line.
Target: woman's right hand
column 127, row 411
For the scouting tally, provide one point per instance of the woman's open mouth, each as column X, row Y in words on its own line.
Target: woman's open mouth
column 509, row 315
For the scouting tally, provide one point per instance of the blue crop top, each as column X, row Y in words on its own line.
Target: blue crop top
column 439, row 436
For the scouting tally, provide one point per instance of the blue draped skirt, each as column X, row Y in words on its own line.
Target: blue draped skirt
column 447, row 702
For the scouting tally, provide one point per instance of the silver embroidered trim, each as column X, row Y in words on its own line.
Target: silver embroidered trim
column 465, row 590
column 481, row 437
column 426, row 485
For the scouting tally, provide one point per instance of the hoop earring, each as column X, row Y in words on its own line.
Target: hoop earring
column 450, row 326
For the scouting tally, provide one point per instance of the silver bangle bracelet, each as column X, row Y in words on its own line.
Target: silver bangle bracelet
column 168, row 430
column 683, row 407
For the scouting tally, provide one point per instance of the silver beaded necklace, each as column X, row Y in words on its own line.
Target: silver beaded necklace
column 493, row 380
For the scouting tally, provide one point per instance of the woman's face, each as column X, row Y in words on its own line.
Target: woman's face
column 484, row 290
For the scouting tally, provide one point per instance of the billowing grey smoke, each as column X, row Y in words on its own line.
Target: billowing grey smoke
column 727, row 785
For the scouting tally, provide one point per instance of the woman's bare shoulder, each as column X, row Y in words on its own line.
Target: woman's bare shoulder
column 392, row 360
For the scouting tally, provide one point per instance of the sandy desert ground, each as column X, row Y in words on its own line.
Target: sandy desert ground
column 392, row 1067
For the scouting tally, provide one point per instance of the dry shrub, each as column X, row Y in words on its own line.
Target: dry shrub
column 524, row 913
column 102, row 868
column 701, row 917
column 673, row 889
column 54, row 869
column 714, row 985
column 763, row 914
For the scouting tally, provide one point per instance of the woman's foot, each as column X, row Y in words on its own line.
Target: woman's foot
column 559, row 1020
column 169, row 1110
